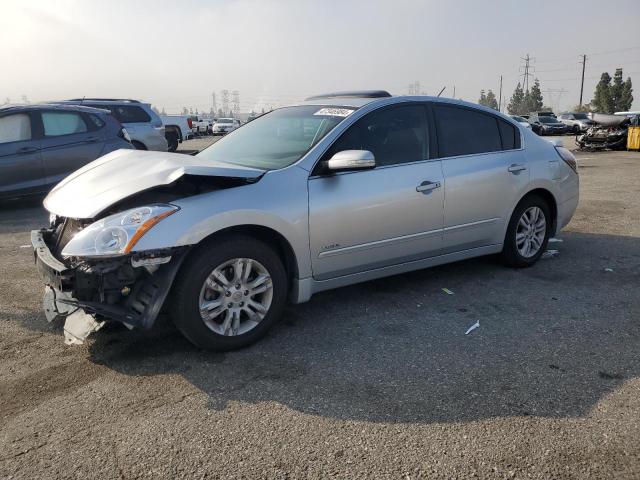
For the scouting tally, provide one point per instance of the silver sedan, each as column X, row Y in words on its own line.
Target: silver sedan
column 339, row 189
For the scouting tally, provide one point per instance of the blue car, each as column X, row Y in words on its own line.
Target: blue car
column 41, row 144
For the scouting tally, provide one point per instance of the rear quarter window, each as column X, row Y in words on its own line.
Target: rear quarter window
column 127, row 113
column 509, row 134
column 96, row 121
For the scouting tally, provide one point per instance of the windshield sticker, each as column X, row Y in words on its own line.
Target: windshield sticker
column 334, row 112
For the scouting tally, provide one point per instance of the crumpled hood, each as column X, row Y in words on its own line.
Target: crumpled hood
column 122, row 173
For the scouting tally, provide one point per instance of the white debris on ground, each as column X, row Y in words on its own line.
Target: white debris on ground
column 550, row 253
column 555, row 240
column 447, row 291
column 608, row 269
column 472, row 328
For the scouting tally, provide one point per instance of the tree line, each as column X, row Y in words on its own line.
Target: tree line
column 611, row 95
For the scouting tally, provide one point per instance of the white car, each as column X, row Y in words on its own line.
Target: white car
column 522, row 121
column 225, row 125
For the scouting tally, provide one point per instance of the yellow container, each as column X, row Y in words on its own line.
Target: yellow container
column 633, row 138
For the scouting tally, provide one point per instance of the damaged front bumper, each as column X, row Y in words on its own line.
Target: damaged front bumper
column 130, row 289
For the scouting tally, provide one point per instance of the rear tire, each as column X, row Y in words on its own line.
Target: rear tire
column 522, row 231
column 172, row 141
column 204, row 306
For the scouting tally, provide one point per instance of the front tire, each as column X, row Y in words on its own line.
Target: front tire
column 528, row 232
column 229, row 293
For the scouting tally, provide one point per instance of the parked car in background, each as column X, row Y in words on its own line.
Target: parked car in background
column 536, row 115
column 522, row 121
column 142, row 123
column 177, row 128
column 201, row 126
column 223, row 126
column 336, row 190
column 576, row 121
column 549, row 126
column 41, row 144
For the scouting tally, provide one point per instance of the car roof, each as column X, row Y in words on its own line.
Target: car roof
column 358, row 102
column 104, row 101
column 50, row 106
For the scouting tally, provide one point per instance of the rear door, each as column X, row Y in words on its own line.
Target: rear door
column 21, row 170
column 485, row 174
column 70, row 140
column 367, row 219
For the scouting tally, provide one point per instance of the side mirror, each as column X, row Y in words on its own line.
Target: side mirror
column 351, row 160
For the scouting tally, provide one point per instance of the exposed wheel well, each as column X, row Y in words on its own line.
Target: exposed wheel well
column 174, row 128
column 139, row 145
column 270, row 237
column 548, row 197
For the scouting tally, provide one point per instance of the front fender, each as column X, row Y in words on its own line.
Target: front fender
column 279, row 201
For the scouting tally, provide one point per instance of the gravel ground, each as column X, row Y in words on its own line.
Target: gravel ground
column 376, row 380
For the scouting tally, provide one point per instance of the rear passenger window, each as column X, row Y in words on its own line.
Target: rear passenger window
column 15, row 128
column 463, row 131
column 62, row 123
column 394, row 135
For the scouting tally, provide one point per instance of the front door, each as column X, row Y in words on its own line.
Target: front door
column 21, row 169
column 393, row 213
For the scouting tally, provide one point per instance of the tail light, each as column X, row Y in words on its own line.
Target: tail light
column 568, row 158
column 190, row 122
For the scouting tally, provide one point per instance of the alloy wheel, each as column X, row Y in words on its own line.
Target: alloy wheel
column 530, row 232
column 236, row 296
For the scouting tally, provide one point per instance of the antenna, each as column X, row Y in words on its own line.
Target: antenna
column 440, row 93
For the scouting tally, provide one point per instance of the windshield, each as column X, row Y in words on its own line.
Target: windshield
column 518, row 119
column 547, row 120
column 224, row 120
column 277, row 139
column 580, row 116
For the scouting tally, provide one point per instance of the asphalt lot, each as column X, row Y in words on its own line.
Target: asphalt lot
column 376, row 380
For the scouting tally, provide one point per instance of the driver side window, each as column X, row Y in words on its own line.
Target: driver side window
column 395, row 135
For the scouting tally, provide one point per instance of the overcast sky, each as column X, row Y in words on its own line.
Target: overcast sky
column 176, row 53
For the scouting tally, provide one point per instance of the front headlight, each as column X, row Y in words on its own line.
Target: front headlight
column 116, row 234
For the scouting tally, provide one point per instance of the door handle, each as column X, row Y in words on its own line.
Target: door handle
column 427, row 186
column 27, row 150
column 515, row 168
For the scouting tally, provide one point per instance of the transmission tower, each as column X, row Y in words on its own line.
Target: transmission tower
column 236, row 103
column 414, row 88
column 214, row 106
column 225, row 102
column 527, row 70
column 555, row 94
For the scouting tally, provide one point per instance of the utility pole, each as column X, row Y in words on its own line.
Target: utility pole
column 500, row 96
column 214, row 107
column 584, row 61
column 454, row 92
